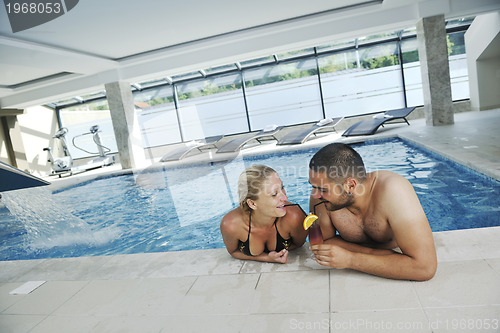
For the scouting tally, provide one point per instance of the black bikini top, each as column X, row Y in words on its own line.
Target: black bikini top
column 281, row 243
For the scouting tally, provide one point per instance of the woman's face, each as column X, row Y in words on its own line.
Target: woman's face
column 272, row 197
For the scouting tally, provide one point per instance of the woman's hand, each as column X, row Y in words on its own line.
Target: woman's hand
column 279, row 257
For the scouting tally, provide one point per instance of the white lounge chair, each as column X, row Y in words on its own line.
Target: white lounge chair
column 200, row 145
column 241, row 140
column 301, row 135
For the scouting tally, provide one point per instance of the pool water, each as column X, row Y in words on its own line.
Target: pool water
column 173, row 209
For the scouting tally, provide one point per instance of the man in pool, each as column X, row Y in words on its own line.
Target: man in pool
column 382, row 228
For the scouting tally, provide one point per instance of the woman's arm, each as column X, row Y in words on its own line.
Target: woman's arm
column 295, row 221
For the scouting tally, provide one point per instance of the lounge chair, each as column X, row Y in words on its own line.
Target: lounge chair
column 238, row 142
column 370, row 126
column 301, row 135
column 180, row 153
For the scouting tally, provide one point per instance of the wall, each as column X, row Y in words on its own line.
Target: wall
column 4, row 156
column 37, row 127
column 482, row 42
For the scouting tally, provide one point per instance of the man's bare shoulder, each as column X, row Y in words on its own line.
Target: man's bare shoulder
column 390, row 190
column 387, row 180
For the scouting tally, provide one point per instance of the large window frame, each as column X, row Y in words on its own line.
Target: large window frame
column 401, row 40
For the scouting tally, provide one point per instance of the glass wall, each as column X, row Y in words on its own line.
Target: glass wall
column 411, row 72
column 157, row 116
column 346, row 78
column 211, row 106
column 79, row 119
column 459, row 75
column 363, row 80
column 283, row 94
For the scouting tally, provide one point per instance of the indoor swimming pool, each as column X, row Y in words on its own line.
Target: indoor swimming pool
column 175, row 209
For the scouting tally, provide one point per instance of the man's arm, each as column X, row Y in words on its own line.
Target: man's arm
column 411, row 231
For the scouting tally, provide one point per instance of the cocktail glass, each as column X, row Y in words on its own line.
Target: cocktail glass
column 315, row 235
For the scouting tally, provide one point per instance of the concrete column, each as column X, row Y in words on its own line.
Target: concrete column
column 14, row 143
column 125, row 125
column 435, row 70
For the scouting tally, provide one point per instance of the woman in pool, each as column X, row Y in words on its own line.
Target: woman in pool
column 265, row 226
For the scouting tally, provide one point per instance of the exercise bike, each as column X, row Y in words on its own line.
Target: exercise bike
column 64, row 164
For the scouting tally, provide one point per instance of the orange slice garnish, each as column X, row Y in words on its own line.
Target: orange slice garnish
column 309, row 220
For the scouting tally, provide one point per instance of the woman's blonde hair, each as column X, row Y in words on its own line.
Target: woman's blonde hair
column 250, row 184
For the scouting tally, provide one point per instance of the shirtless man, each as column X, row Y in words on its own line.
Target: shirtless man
column 373, row 214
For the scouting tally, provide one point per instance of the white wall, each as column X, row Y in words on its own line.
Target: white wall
column 4, row 156
column 37, row 123
column 482, row 42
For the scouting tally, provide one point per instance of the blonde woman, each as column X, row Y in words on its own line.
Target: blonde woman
column 265, row 226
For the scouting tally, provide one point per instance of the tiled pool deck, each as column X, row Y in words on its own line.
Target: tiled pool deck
column 207, row 290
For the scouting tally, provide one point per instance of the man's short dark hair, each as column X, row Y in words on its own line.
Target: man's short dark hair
column 339, row 161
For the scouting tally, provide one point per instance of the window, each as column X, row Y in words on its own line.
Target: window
column 459, row 75
column 79, row 119
column 157, row 116
column 361, row 81
column 411, row 72
column 283, row 94
column 212, row 106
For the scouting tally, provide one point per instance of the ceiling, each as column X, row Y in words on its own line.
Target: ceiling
column 97, row 41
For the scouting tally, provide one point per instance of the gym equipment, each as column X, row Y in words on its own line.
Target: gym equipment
column 64, row 164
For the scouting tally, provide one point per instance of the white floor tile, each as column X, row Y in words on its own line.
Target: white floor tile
column 464, row 283
column 411, row 320
column 465, row 319
column 132, row 324
column 18, row 324
column 7, row 300
column 47, row 298
column 204, row 323
column 352, row 290
column 494, row 263
column 94, row 297
column 194, row 263
column 292, row 292
column 17, row 270
column 148, row 297
column 292, row 322
column 66, row 269
column 61, row 324
column 457, row 245
column 219, row 294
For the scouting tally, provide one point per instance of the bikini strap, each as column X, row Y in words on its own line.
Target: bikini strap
column 275, row 226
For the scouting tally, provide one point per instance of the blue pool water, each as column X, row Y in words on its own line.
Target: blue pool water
column 180, row 208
